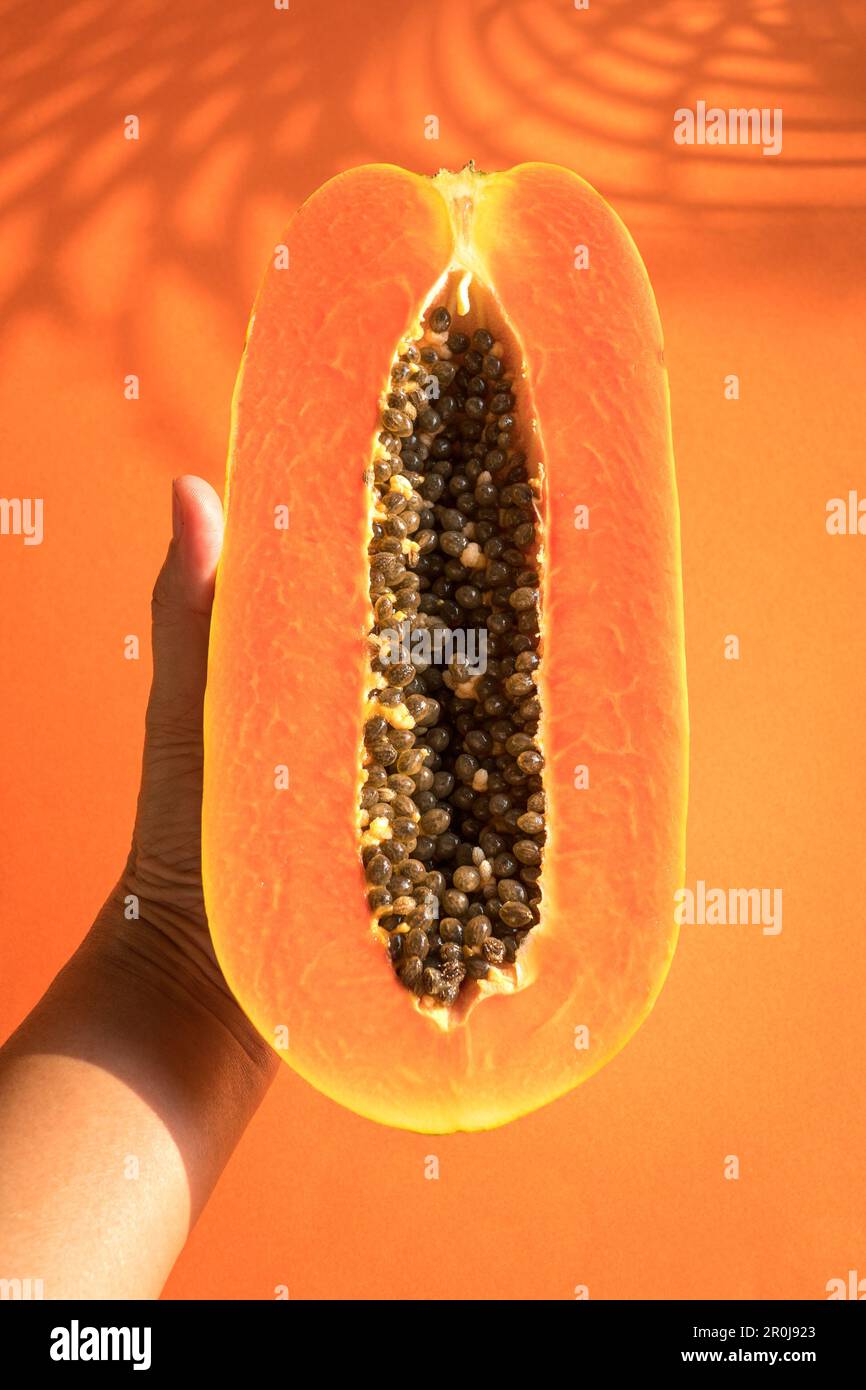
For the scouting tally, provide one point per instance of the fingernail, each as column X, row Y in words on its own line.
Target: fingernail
column 176, row 513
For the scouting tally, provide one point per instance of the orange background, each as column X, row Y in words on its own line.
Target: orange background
column 144, row 257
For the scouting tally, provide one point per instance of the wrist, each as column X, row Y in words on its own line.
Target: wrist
column 149, row 952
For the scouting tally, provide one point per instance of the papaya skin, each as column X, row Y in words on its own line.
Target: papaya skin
column 288, row 661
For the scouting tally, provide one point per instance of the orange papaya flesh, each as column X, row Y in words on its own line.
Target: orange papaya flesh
column 369, row 256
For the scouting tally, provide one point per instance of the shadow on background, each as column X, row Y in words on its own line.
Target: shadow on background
column 241, row 104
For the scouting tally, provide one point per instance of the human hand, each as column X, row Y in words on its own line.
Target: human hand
column 162, row 879
column 138, row 1050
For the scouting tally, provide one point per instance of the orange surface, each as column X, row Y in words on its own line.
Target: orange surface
column 289, row 670
column 122, row 257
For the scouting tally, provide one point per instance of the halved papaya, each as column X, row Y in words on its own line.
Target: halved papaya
column 446, row 728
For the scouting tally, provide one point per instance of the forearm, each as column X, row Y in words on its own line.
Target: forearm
column 132, row 1083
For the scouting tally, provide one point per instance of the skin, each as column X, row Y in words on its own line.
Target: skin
column 124, row 1092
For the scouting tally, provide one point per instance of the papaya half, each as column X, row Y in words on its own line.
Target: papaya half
column 446, row 723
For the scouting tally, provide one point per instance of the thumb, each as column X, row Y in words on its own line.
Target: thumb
column 181, row 606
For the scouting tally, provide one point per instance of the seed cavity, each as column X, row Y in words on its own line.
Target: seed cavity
column 452, row 808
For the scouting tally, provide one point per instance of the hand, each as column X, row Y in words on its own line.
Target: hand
column 138, row 1052
column 162, row 879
